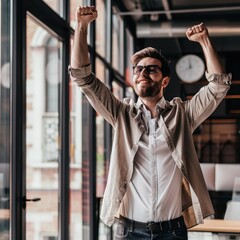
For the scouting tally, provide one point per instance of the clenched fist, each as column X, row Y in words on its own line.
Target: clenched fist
column 197, row 32
column 86, row 14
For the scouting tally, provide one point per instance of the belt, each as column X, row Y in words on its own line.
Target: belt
column 154, row 226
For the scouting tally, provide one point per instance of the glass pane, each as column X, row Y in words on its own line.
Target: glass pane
column 129, row 52
column 73, row 7
column 54, row 4
column 130, row 93
column 76, row 202
column 100, row 26
column 117, row 44
column 42, row 132
column 117, row 90
column 5, row 120
column 101, row 161
column 101, row 71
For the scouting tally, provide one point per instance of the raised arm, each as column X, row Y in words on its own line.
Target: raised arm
column 199, row 33
column 80, row 56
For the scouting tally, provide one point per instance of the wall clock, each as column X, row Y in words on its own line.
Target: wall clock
column 190, row 68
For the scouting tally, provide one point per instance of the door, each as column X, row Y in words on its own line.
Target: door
column 43, row 79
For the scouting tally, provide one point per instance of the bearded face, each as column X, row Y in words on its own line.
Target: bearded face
column 148, row 79
column 147, row 87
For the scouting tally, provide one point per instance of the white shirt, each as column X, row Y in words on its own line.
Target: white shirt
column 154, row 192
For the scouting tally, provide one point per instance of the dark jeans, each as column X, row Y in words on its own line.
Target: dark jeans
column 126, row 231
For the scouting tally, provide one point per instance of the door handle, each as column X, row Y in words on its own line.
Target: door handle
column 24, row 200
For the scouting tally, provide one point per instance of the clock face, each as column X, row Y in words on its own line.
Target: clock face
column 190, row 68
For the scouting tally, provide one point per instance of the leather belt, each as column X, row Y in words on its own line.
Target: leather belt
column 154, row 226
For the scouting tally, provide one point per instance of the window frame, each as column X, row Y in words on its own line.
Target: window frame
column 60, row 28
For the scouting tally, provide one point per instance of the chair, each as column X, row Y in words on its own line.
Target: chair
column 232, row 211
column 236, row 190
column 233, row 206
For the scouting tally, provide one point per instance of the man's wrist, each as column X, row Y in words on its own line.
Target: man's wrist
column 81, row 26
column 205, row 42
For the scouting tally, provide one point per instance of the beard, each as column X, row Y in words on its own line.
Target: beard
column 148, row 90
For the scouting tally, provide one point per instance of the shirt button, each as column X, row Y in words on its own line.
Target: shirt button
column 118, row 200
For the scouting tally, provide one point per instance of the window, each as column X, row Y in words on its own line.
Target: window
column 61, row 145
column 5, row 109
column 128, row 65
column 118, row 44
column 76, row 168
column 117, row 90
column 73, row 7
column 101, row 28
column 42, row 131
column 54, row 4
column 50, row 238
column 52, row 77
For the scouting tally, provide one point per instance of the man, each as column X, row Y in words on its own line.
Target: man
column 155, row 187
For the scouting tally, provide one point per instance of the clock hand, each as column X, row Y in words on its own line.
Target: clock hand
column 189, row 64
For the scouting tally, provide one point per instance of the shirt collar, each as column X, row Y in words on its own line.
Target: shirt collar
column 162, row 103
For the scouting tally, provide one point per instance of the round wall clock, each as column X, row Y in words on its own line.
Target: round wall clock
column 190, row 68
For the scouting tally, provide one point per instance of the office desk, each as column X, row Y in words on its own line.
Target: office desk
column 217, row 226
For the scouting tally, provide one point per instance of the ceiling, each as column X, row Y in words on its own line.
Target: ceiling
column 162, row 24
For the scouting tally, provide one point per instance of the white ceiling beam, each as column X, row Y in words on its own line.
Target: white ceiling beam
column 168, row 29
column 180, row 11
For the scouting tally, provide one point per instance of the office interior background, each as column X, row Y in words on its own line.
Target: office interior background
column 54, row 149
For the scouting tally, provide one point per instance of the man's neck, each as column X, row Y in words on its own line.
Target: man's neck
column 150, row 103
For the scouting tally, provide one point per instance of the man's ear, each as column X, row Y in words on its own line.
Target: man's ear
column 165, row 81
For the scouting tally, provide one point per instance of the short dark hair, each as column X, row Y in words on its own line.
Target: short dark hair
column 153, row 53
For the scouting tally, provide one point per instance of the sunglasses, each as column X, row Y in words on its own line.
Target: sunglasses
column 150, row 69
